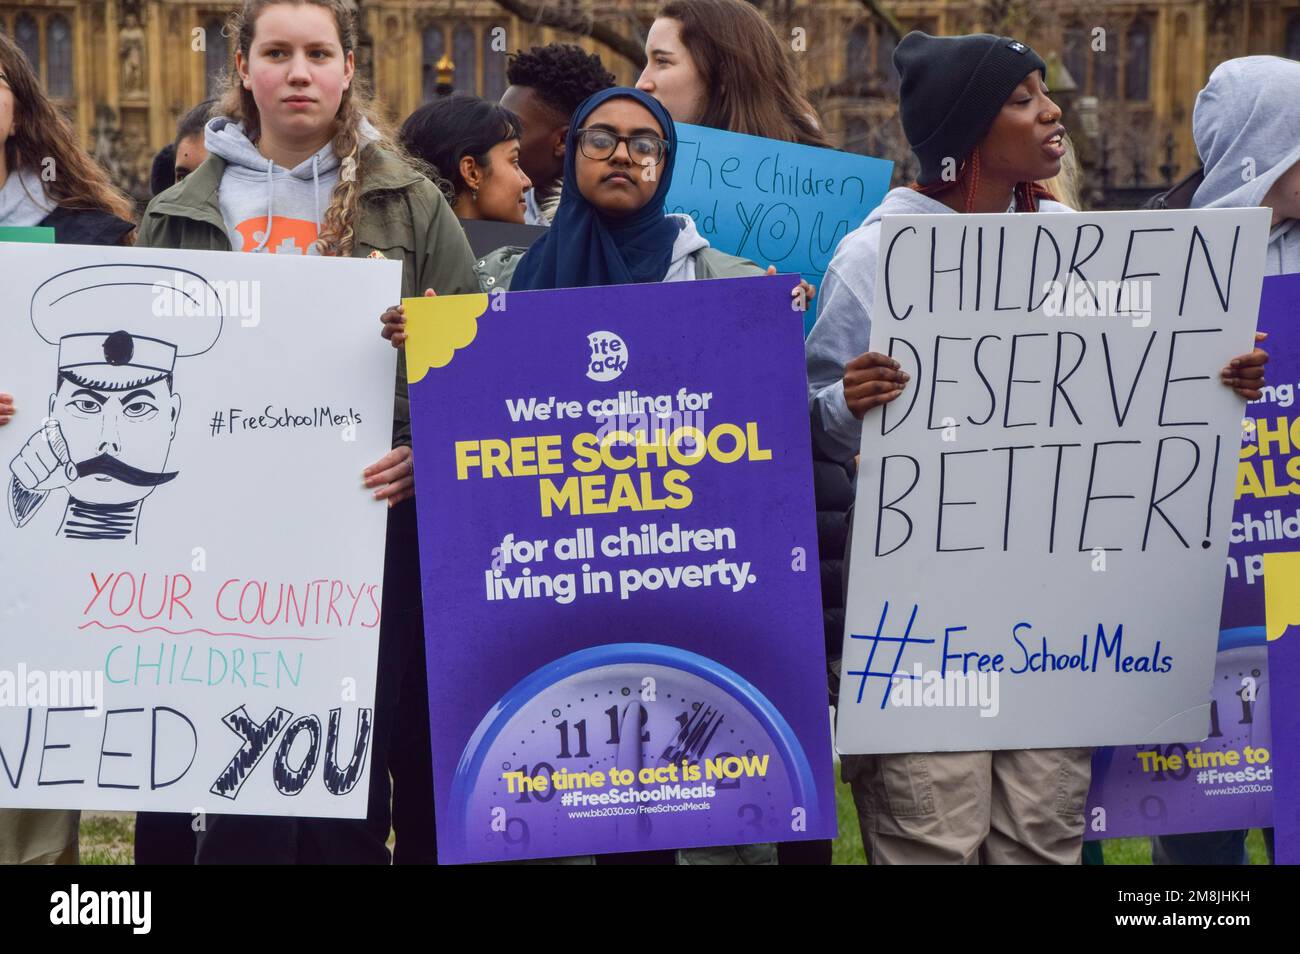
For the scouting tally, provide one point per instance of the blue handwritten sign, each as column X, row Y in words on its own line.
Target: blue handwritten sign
column 776, row 203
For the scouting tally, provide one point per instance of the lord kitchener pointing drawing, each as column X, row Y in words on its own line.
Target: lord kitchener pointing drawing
column 113, row 413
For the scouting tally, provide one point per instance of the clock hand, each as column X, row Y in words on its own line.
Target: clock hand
column 631, row 756
column 692, row 740
column 631, row 752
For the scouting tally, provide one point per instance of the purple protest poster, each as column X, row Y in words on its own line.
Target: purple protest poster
column 618, row 554
column 1282, row 297
column 1227, row 781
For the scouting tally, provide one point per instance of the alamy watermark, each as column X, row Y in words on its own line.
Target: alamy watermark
column 191, row 297
column 53, row 688
column 946, row 690
column 1105, row 299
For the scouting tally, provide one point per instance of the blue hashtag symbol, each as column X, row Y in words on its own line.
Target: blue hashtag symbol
column 903, row 641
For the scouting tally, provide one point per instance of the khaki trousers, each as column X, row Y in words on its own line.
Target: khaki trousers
column 1017, row 806
column 30, row 836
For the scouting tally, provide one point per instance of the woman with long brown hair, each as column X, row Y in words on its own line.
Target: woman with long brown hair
column 718, row 63
column 47, row 180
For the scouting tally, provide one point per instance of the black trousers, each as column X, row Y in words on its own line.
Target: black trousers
column 400, row 746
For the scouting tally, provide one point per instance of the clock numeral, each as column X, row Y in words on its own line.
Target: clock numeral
column 614, row 734
column 581, row 728
column 1161, row 775
column 1215, row 731
column 546, row 796
column 516, row 832
column 1247, row 716
column 724, row 783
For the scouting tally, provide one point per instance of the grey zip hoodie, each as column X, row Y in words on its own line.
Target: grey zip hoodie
column 265, row 207
column 681, row 268
column 1247, row 129
column 23, row 201
column 843, row 328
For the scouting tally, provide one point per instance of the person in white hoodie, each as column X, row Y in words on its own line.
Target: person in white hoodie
column 976, row 106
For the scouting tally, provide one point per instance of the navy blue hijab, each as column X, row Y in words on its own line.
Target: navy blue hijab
column 583, row 248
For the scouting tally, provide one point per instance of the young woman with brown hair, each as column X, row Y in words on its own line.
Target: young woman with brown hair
column 297, row 163
column 718, row 63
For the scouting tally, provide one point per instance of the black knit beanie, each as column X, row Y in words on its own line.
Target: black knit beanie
column 952, row 89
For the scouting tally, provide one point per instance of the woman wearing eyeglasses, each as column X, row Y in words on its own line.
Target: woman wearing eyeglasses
column 611, row 229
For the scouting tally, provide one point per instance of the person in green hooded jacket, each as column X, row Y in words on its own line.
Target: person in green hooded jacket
column 297, row 165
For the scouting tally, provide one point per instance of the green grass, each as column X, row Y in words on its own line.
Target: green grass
column 106, row 839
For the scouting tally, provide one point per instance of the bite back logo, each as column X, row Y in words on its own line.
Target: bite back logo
column 607, row 356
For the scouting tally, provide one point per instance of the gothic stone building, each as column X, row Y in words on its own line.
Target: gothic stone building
column 125, row 70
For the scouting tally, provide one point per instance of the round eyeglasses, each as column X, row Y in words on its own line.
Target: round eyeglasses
column 601, row 143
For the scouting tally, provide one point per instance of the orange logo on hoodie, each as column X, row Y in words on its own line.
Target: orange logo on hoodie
column 288, row 236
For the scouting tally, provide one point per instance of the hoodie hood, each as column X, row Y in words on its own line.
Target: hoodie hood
column 266, row 207
column 907, row 201
column 681, row 267
column 904, row 201
column 1245, row 124
column 23, row 201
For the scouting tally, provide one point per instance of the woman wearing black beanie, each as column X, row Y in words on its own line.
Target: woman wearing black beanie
column 978, row 117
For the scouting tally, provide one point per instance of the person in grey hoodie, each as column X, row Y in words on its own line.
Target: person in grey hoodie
column 1246, row 124
column 976, row 105
column 1247, row 129
column 265, row 207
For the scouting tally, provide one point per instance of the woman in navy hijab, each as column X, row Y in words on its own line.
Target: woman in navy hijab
column 611, row 227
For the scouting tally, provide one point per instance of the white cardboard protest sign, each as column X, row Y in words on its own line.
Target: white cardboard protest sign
column 190, row 568
column 1042, row 516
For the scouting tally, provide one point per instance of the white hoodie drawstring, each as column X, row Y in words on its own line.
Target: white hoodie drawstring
column 270, row 204
column 315, row 185
column 315, row 194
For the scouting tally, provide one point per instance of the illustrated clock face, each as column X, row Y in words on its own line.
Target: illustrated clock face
column 639, row 709
column 1167, row 800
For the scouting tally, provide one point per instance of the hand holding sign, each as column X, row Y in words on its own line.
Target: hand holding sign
column 396, row 472
column 1245, row 373
column 870, row 380
column 394, row 321
column 802, row 293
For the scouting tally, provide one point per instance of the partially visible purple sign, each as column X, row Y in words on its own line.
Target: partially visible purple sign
column 1227, row 780
column 1282, row 297
column 619, row 555
column 1284, row 658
